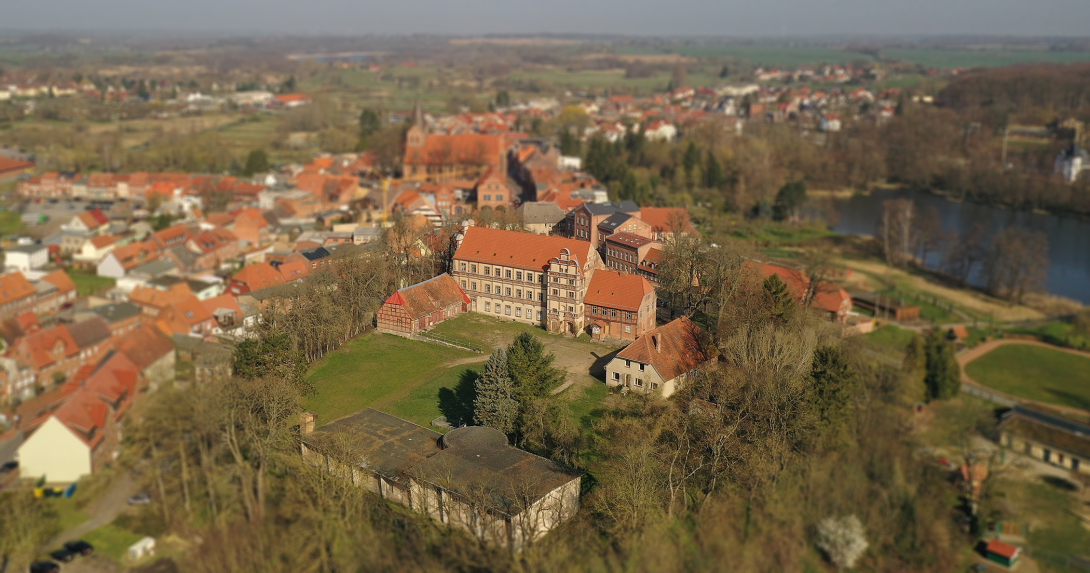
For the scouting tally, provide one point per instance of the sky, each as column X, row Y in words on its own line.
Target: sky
column 741, row 18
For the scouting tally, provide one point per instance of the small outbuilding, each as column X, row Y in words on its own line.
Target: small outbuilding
column 422, row 306
column 142, row 548
column 1004, row 554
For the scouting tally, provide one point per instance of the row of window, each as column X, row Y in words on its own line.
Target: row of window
column 611, row 312
column 506, row 310
column 508, row 292
column 623, row 255
column 506, row 273
column 499, row 197
column 638, row 382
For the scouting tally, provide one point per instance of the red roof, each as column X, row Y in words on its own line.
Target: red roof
column 8, row 164
column 679, row 349
column 1003, row 549
column 434, row 294
column 618, row 290
column 517, row 249
column 288, row 98
column 93, row 218
column 84, row 413
column 223, row 301
column 14, row 286
column 259, row 276
column 466, row 148
column 663, row 219
column 103, row 241
column 144, row 346
column 629, row 239
column 294, row 270
column 38, row 346
column 61, row 280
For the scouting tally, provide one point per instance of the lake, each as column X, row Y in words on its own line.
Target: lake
column 1068, row 239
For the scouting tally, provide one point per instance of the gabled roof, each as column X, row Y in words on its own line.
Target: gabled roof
column 14, row 286
column 221, row 303
column 86, row 415
column 90, row 332
column 614, row 222
column 259, row 276
column 38, row 345
column 61, row 280
column 294, row 270
column 144, row 346
column 180, row 317
column 467, row 148
column 516, row 249
column 429, row 296
column 613, row 289
column 629, row 239
column 103, row 241
column 663, row 219
column 679, row 349
column 155, row 298
column 93, row 218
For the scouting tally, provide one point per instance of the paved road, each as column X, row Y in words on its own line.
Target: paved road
column 7, row 454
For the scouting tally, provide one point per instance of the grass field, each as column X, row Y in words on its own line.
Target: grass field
column 1058, row 333
column 10, row 223
column 112, row 541
column 386, row 372
column 889, row 339
column 981, row 57
column 87, row 282
column 1036, row 373
column 68, row 515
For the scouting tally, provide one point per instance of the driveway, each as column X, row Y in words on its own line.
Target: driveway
column 103, row 510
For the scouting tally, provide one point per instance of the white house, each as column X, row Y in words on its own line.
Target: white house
column 830, row 123
column 94, row 248
column 660, row 130
column 55, row 451
column 26, row 257
column 568, row 163
column 1071, row 162
column 659, row 361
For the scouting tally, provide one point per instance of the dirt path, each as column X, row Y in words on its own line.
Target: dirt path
column 464, row 361
column 980, row 350
column 974, row 301
column 103, row 511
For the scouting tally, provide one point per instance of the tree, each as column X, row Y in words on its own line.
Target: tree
column 842, row 539
column 256, row 162
column 690, row 161
column 274, row 355
column 531, row 369
column 777, row 297
column 713, row 172
column 833, row 385
column 570, row 144
column 369, row 124
column 943, row 377
column 895, row 230
column 503, row 99
column 1017, row 263
column 788, row 200
column 27, row 523
column 495, row 405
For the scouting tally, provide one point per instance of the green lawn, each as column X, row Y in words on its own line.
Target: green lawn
column 68, row 515
column 386, row 372
column 888, row 340
column 1036, row 373
column 112, row 541
column 1058, row 333
column 484, row 331
column 87, row 282
column 10, row 223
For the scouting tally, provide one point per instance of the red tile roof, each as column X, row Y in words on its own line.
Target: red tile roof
column 8, row 164
column 159, row 299
column 38, row 346
column 663, row 219
column 516, row 249
column 103, row 240
column 86, row 414
column 144, row 346
column 618, row 290
column 1003, row 549
column 61, row 280
column 14, row 286
column 466, row 148
column 93, row 218
column 429, row 296
column 294, row 270
column 629, row 239
column 680, row 349
column 259, row 276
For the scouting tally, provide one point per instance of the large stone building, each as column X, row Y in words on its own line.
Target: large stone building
column 422, row 306
column 528, row 278
column 441, row 158
column 619, row 305
column 469, row 479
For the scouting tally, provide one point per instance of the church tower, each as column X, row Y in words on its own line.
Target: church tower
column 418, row 132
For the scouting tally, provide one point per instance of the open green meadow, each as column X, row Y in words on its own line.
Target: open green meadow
column 1035, row 372
column 87, row 282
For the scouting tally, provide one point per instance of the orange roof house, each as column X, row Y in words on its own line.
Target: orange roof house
column 294, row 270
column 255, row 277
column 664, row 220
column 421, row 306
column 187, row 316
column 619, row 305
column 153, row 301
column 660, row 360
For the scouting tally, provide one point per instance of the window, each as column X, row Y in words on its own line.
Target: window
column 499, row 197
column 463, row 266
column 654, row 385
column 642, row 367
column 488, row 289
column 488, row 307
column 518, row 276
column 498, row 309
column 539, row 315
column 628, row 330
column 594, row 310
column 463, row 285
column 628, row 316
column 473, row 268
column 613, row 313
column 639, row 382
column 616, row 375
column 507, row 310
column 508, row 292
column 507, row 273
column 571, row 309
column 556, row 292
column 518, row 312
column 487, row 197
column 486, row 270
column 628, row 364
column 541, row 296
column 473, row 285
column 518, row 293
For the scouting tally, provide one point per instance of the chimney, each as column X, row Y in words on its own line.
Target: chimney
column 307, row 420
column 656, row 339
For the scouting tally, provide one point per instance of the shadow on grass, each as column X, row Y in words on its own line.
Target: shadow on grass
column 1060, row 483
column 598, row 368
column 1070, row 399
column 457, row 404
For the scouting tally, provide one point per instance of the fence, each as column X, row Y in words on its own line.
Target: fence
column 445, row 341
column 987, row 395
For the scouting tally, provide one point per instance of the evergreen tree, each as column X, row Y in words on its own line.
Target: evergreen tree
column 832, row 388
column 778, row 298
column 275, row 355
column 495, row 405
column 256, row 162
column 569, row 144
column 503, row 99
column 531, row 369
column 943, row 373
column 369, row 124
column 713, row 172
column 788, row 200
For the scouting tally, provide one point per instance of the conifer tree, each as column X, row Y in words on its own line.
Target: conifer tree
column 943, row 373
column 531, row 369
column 495, row 405
column 778, row 297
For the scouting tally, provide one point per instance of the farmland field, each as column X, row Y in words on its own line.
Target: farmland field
column 1035, row 372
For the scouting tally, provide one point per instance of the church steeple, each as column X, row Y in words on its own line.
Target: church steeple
column 417, row 134
column 418, row 115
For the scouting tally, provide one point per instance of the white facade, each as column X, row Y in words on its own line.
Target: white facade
column 570, row 163
column 55, row 452
column 26, row 258
column 109, row 266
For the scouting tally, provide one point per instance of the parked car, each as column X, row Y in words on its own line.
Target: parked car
column 44, row 567
column 81, row 547
column 63, row 555
column 140, row 499
column 9, row 466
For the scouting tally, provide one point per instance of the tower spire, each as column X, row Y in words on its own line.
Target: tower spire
column 418, row 115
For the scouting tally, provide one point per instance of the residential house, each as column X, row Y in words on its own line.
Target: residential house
column 535, row 279
column 627, row 251
column 422, row 306
column 17, row 295
column 619, row 305
column 151, row 351
column 493, row 190
column 255, row 277
column 540, row 217
column 666, row 221
column 92, row 222
column 121, row 317
column 154, row 300
column 26, row 257
column 226, row 311
column 468, row 479
column 93, row 249
column 621, row 223
column 582, row 222
column 50, row 352
column 188, row 316
column 832, row 301
column 442, row 158
column 83, row 434
column 659, row 361
column 92, row 336
column 122, row 260
column 55, row 290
